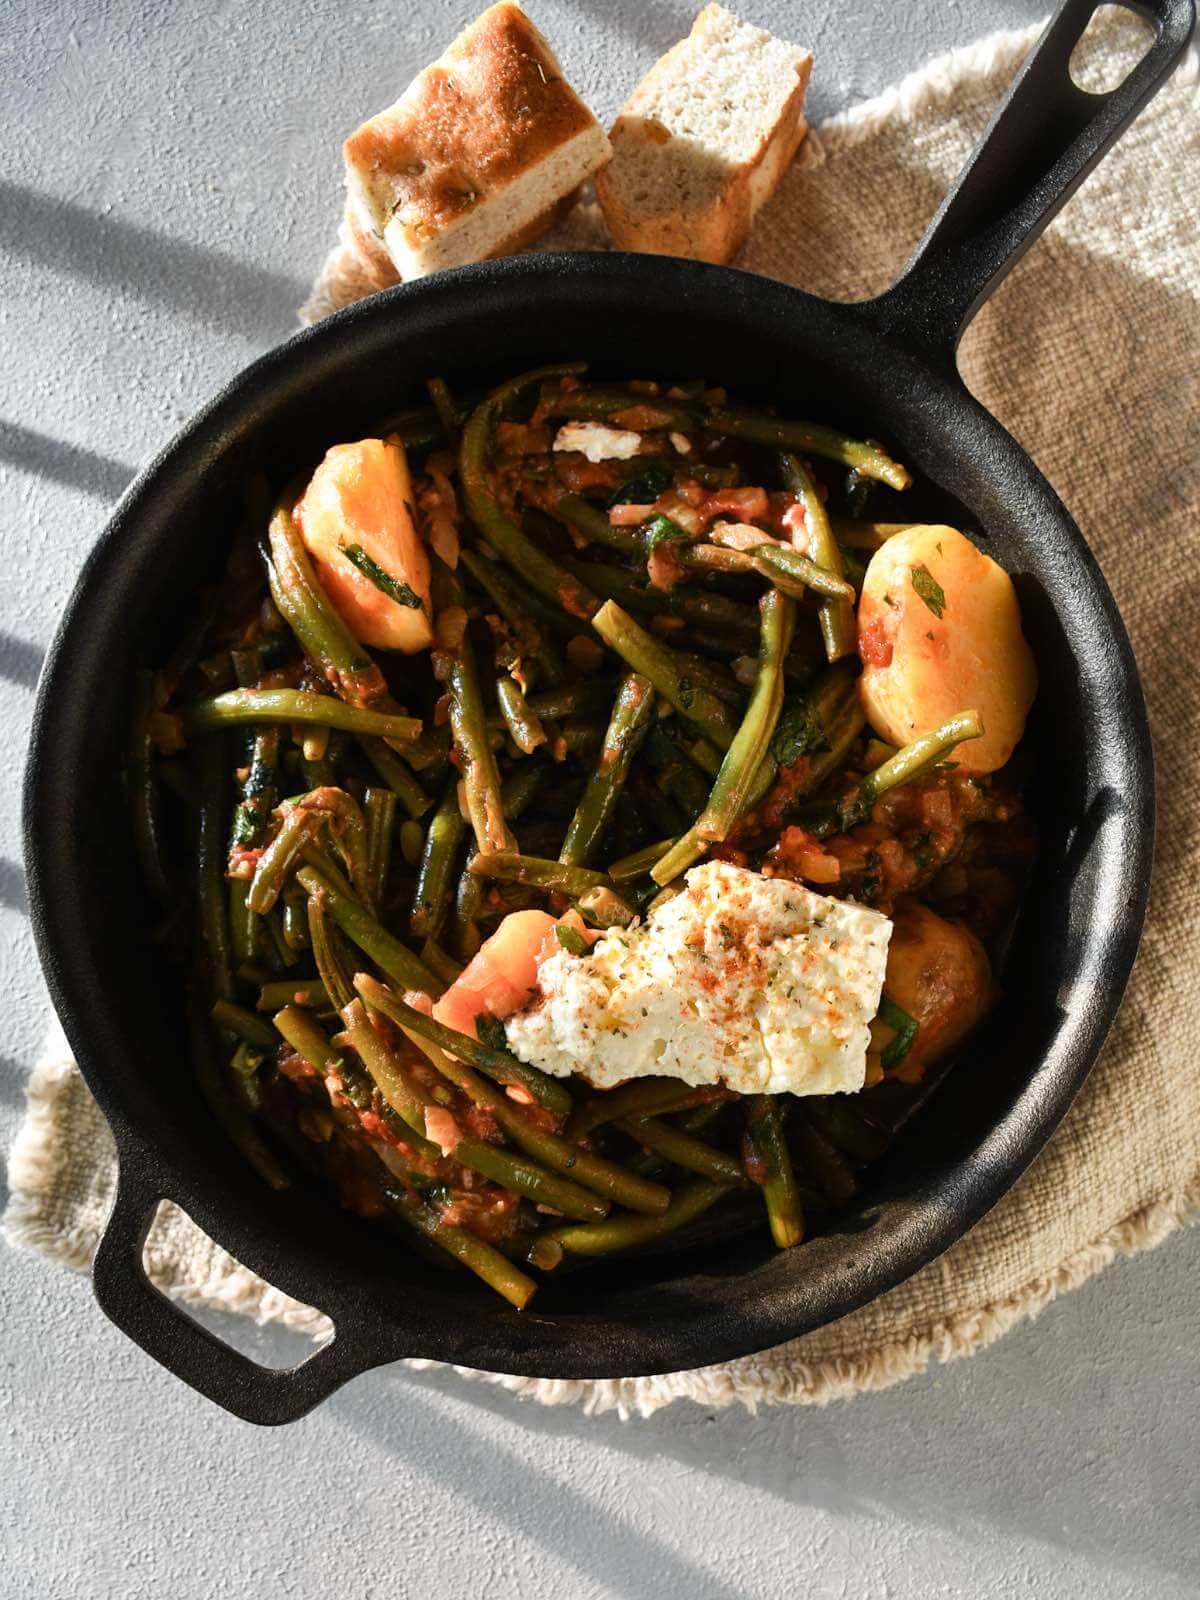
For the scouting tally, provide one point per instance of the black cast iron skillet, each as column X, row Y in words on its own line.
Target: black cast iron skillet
column 885, row 367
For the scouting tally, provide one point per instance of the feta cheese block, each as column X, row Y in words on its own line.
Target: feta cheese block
column 597, row 442
column 740, row 979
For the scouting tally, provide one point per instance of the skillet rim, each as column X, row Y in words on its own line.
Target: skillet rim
column 669, row 1344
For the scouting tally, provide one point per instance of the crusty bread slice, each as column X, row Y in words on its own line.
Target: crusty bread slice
column 475, row 159
column 704, row 139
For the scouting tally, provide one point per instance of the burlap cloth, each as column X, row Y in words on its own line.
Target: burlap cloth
column 1089, row 355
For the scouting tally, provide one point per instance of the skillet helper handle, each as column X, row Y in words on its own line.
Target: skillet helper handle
column 1039, row 147
column 222, row 1374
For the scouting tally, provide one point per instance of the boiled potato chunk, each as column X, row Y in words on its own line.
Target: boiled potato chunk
column 939, row 973
column 939, row 631
column 360, row 500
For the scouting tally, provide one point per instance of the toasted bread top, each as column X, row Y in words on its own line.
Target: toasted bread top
column 490, row 109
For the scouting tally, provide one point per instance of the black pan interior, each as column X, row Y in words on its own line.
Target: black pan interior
column 629, row 316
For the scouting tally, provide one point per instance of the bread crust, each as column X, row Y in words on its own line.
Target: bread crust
column 478, row 121
column 715, row 229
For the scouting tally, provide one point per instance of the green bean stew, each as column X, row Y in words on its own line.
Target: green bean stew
column 466, row 702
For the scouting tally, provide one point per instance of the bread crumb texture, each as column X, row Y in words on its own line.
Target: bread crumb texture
column 704, row 139
column 477, row 155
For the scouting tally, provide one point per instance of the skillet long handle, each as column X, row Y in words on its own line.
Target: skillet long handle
column 1039, row 147
column 215, row 1369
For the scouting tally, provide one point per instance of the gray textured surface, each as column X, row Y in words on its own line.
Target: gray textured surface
column 170, row 177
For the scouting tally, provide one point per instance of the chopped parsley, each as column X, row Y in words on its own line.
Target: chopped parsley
column 394, row 588
column 491, row 1031
column 904, row 1027
column 571, row 940
column 659, row 530
column 643, row 489
column 930, row 590
column 798, row 732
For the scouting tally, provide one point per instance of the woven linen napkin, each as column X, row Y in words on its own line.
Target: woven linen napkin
column 1089, row 355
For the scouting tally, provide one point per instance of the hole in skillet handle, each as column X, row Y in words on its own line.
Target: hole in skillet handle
column 264, row 1395
column 1115, row 41
column 240, row 1320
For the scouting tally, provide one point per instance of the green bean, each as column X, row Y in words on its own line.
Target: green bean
column 713, row 558
column 298, row 829
column 245, row 927
column 252, row 813
column 593, row 524
column 514, row 607
column 518, row 791
column 809, row 438
column 540, row 571
column 329, row 953
column 394, row 1078
column 677, row 772
column 522, row 721
column 702, row 608
column 443, row 404
column 318, row 773
column 824, row 1163
column 307, row 1038
column 319, row 627
column 244, row 1023
column 479, row 1257
column 412, row 842
column 285, row 955
column 417, row 427
column 408, row 1100
column 508, row 866
column 531, row 1180
column 839, row 630
column 657, row 809
column 632, row 867
column 632, row 713
column 308, row 992
column 379, row 807
column 793, row 573
column 570, row 700
column 249, row 706
column 481, row 779
column 842, row 738
column 908, row 764
column 468, row 906
column 295, row 917
column 847, row 1127
column 606, row 1238
column 396, row 776
column 773, row 1168
column 639, row 1098
column 441, row 964
column 210, row 861
column 594, row 403
column 682, row 1150
column 592, row 1171
column 144, row 792
column 432, row 897
column 605, row 908
column 315, row 747
column 717, row 679
column 687, row 850
column 499, row 1065
column 751, row 745
column 346, row 832
column 361, row 927
column 654, row 660
column 216, row 1091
